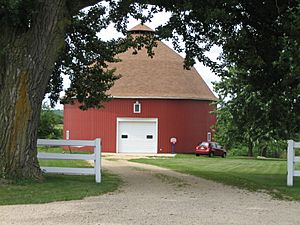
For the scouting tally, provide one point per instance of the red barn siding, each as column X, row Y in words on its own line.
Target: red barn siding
column 187, row 120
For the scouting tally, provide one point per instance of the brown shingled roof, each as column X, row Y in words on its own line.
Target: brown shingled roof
column 162, row 76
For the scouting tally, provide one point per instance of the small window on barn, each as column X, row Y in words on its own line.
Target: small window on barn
column 124, row 136
column 149, row 136
column 137, row 107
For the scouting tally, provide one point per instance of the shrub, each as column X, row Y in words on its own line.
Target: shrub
column 49, row 126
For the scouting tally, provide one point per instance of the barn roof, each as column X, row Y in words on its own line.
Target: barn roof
column 141, row 27
column 162, row 76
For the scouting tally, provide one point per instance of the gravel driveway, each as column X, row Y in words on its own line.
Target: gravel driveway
column 153, row 195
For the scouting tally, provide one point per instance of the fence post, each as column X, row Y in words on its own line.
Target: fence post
column 290, row 163
column 97, row 162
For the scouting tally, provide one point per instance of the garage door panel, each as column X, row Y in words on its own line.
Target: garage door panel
column 137, row 137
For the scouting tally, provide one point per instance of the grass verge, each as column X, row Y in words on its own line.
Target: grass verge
column 58, row 187
column 255, row 175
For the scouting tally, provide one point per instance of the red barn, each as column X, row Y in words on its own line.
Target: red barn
column 154, row 101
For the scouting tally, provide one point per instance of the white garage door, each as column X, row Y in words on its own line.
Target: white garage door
column 137, row 136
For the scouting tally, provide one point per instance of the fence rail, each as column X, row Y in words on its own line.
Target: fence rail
column 96, row 157
column 291, row 160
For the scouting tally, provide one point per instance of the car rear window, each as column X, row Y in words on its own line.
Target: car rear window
column 204, row 144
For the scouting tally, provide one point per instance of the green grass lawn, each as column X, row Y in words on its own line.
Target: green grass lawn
column 58, row 187
column 255, row 175
column 61, row 150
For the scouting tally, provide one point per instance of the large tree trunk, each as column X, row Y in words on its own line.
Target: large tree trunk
column 25, row 68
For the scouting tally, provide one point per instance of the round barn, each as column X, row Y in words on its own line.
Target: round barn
column 155, row 100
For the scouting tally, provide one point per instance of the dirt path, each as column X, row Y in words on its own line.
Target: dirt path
column 152, row 195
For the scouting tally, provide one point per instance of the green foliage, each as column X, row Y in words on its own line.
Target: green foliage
column 237, row 151
column 84, row 60
column 271, row 149
column 254, row 175
column 48, row 126
column 60, row 113
column 86, row 57
column 17, row 13
column 258, row 91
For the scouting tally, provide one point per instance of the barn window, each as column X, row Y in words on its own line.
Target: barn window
column 149, row 136
column 124, row 136
column 137, row 107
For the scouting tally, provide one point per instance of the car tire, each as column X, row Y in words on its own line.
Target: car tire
column 197, row 154
column 211, row 154
column 224, row 155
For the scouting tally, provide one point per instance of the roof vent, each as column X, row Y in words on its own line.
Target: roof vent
column 141, row 29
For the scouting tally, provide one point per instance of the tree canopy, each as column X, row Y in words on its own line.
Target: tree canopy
column 260, row 87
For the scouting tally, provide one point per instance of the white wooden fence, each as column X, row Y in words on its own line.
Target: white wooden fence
column 291, row 160
column 96, row 157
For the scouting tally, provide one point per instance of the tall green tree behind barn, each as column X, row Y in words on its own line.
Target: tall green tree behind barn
column 259, row 91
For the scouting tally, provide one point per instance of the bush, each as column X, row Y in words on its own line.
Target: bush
column 49, row 126
column 238, row 151
column 273, row 149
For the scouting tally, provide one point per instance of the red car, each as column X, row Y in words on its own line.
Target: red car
column 210, row 149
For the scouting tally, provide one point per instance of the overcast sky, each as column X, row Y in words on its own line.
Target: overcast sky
column 159, row 19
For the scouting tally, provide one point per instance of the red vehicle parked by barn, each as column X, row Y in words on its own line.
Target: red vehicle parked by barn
column 210, row 149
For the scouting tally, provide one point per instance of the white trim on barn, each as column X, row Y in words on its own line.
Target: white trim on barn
column 142, row 135
column 163, row 97
column 137, row 107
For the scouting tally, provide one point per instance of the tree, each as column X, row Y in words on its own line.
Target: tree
column 49, row 121
column 260, row 89
column 241, row 116
column 33, row 36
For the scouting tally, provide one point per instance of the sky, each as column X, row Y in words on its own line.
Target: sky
column 158, row 19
